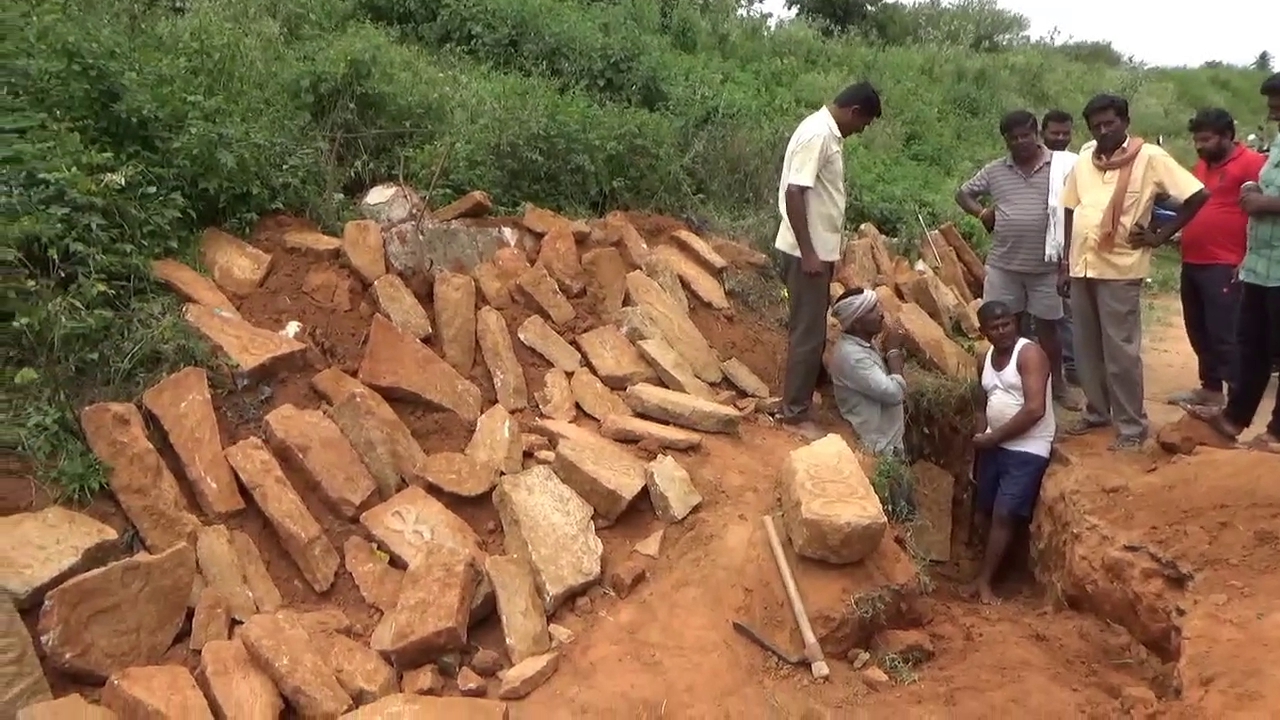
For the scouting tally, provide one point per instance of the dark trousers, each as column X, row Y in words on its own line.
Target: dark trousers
column 1258, row 338
column 1065, row 336
column 1210, row 305
column 808, row 296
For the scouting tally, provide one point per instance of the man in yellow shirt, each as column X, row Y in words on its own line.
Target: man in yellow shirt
column 1108, row 201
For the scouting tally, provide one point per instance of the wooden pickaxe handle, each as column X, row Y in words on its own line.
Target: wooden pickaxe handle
column 812, row 650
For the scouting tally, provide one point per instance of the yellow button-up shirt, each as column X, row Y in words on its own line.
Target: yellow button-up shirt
column 1088, row 192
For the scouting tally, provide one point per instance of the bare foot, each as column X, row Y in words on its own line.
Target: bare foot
column 986, row 596
column 807, row 430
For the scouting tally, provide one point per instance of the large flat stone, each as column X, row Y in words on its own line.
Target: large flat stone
column 494, row 287
column 158, row 691
column 524, row 620
column 22, row 680
column 555, row 399
column 931, row 345
column 235, row 265
column 407, row 707
column 542, row 222
column 615, row 360
column 606, row 478
column 400, row 367
column 219, row 564
column 431, row 615
column 283, row 650
column 681, row 409
column 254, row 351
column 363, row 251
column 67, row 707
column 385, row 444
column 430, row 245
column 210, row 621
column 263, row 589
column 118, row 616
column 406, row 523
column 558, row 253
column 454, row 301
column 191, row 285
column 312, row 243
column 674, row 325
column 527, row 676
column 662, row 272
column 459, row 474
column 594, row 398
column 674, row 371
column 700, row 249
column 631, row 429
column 671, row 490
column 500, row 358
column 476, row 203
column 315, row 445
column 549, row 525
column 621, row 233
column 542, row 289
column 397, row 302
column 333, row 384
column 745, row 380
column 235, row 686
column 39, row 550
column 496, row 441
column 701, row 283
column 299, row 533
column 541, row 338
column 829, row 508
column 183, row 405
column 137, row 475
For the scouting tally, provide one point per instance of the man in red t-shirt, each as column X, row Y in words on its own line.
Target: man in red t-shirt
column 1213, row 246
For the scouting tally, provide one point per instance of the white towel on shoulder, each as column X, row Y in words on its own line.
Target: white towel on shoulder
column 1061, row 162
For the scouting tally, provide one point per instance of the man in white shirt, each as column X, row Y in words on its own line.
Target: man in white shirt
column 811, row 199
column 1014, row 439
column 1056, row 131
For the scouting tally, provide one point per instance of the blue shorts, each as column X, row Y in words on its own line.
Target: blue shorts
column 1009, row 482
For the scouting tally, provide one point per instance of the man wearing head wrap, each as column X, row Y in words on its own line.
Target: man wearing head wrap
column 869, row 386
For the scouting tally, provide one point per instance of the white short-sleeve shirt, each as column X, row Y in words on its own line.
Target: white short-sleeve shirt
column 815, row 160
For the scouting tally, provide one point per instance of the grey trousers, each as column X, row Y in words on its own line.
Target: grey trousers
column 808, row 297
column 1108, row 352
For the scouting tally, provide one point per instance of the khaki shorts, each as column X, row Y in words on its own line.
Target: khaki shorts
column 1032, row 293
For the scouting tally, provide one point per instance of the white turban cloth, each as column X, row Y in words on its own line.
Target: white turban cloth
column 854, row 307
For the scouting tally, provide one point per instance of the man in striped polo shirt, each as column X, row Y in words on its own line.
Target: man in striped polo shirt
column 1018, row 273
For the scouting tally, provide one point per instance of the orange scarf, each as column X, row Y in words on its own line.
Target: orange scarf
column 1122, row 160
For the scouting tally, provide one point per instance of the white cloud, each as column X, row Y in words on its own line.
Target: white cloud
column 1154, row 33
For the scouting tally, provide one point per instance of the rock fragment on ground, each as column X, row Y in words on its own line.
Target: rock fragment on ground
column 377, row 581
column 594, row 398
column 650, row 546
column 400, row 367
column 743, row 379
column 627, row 428
column 607, row 280
column 470, row 684
column 235, row 686
column 191, row 285
column 211, row 620
column 184, row 406
column 263, row 589
column 459, row 474
column 363, row 250
column 219, row 564
column 555, row 399
column 22, row 680
column 391, row 204
column 361, row 672
column 544, row 521
column 399, row 305
column 560, row 635
column 683, row 409
column 660, row 313
column 316, row 445
column 255, row 352
column 431, row 615
column 67, row 707
column 496, row 441
column 614, row 359
column 671, row 491
column 700, row 249
column 1187, row 433
column 500, row 358
column 527, row 676
column 385, row 444
column 159, row 691
column 829, row 509
column 546, row 295
column 137, row 475
column 406, row 523
column 235, row 265
column 472, row 205
column 541, row 338
column 405, row 706
column 299, row 533
column 558, row 253
column 423, row 681
column 283, row 650
column 524, row 621
column 117, row 616
column 624, row 578
column 705, row 286
column 674, row 371
column 41, row 549
column 607, row 479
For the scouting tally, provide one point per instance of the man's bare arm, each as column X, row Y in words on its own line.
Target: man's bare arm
column 968, row 203
column 798, row 216
column 1033, row 368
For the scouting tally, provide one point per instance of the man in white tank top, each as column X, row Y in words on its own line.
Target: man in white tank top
column 1015, row 429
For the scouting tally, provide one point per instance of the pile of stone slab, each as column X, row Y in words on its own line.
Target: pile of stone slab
column 931, row 300
column 645, row 374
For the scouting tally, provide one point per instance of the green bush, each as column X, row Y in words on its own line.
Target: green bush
column 130, row 125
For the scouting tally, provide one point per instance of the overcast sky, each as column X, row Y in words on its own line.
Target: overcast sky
column 1155, row 33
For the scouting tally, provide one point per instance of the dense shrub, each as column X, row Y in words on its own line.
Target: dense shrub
column 129, row 125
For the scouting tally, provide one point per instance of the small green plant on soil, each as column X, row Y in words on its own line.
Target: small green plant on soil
column 893, row 483
column 900, row 668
